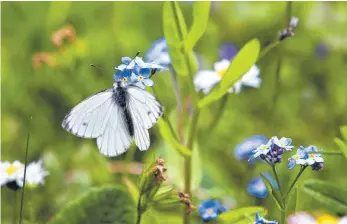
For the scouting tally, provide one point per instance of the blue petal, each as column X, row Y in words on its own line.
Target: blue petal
column 210, row 204
column 145, row 72
column 292, row 163
column 158, row 52
column 245, row 148
column 257, row 188
column 127, row 73
column 148, row 82
column 126, row 60
column 228, row 51
column 117, row 75
column 257, row 217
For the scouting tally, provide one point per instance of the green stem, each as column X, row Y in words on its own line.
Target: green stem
column 25, row 172
column 295, row 180
column 277, row 179
column 220, row 111
column 14, row 218
column 331, row 153
column 139, row 213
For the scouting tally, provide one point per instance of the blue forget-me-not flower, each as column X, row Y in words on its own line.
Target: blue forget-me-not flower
column 136, row 71
column 257, row 187
column 245, row 148
column 158, row 53
column 272, row 151
column 309, row 156
column 261, row 220
column 210, row 210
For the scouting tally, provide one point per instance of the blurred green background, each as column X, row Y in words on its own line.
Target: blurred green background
column 308, row 103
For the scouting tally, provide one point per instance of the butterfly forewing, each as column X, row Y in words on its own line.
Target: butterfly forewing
column 89, row 118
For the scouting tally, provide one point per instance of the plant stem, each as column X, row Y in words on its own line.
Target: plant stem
column 139, row 213
column 14, row 218
column 219, row 112
column 277, row 179
column 25, row 172
column 295, row 180
column 283, row 211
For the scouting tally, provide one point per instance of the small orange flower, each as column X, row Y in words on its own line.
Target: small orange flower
column 67, row 32
column 43, row 57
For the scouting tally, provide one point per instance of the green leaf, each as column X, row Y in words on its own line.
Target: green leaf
column 167, row 135
column 99, row 205
column 341, row 145
column 132, row 189
column 175, row 166
column 201, row 11
column 241, row 214
column 343, row 130
column 243, row 61
column 330, row 195
column 292, row 200
column 274, row 193
column 175, row 32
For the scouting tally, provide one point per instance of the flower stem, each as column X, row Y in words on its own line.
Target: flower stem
column 295, row 180
column 277, row 179
column 219, row 112
column 283, row 210
column 139, row 213
column 25, row 172
column 14, row 218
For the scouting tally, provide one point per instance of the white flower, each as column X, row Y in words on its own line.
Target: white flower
column 205, row 80
column 35, row 174
column 294, row 22
column 11, row 172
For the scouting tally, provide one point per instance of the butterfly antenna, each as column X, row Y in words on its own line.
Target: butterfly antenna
column 25, row 172
column 95, row 66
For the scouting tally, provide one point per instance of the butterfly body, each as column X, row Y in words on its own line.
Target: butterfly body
column 114, row 117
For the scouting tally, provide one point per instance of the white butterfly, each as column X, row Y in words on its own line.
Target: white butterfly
column 114, row 116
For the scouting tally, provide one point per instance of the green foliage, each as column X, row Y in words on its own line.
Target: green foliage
column 273, row 192
column 201, row 12
column 99, row 205
column 175, row 32
column 331, row 196
column 241, row 215
column 342, row 145
column 243, row 61
column 168, row 136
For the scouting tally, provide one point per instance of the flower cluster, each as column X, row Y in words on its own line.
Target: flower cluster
column 244, row 149
column 272, row 151
column 136, row 72
column 210, row 210
column 302, row 217
column 12, row 174
column 158, row 171
column 261, row 220
column 310, row 156
column 205, row 80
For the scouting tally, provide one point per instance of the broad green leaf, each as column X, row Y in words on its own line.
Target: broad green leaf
column 343, row 130
column 167, row 135
column 243, row 61
column 342, row 146
column 175, row 166
column 201, row 11
column 241, row 214
column 330, row 195
column 274, row 193
column 175, row 32
column 97, row 206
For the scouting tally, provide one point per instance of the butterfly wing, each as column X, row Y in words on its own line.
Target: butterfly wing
column 89, row 118
column 145, row 111
column 116, row 138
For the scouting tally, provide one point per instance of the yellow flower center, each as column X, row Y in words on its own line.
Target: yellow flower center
column 11, row 169
column 311, row 156
column 296, row 157
column 327, row 219
column 124, row 79
column 209, row 211
column 263, row 147
column 221, row 72
column 140, row 77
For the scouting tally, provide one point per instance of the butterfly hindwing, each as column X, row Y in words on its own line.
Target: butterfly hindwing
column 145, row 111
column 89, row 118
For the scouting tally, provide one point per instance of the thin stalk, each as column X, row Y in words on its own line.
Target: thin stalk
column 139, row 214
column 277, row 179
column 25, row 172
column 220, row 111
column 179, row 106
column 14, row 218
column 295, row 180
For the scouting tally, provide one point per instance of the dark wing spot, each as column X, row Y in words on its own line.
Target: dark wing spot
column 85, row 124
